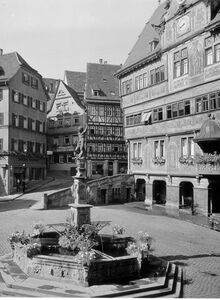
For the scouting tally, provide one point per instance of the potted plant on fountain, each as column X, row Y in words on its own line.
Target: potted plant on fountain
column 141, row 248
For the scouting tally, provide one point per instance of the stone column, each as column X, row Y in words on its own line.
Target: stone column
column 80, row 210
column 115, row 167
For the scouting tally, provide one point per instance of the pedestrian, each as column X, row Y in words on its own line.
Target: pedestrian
column 23, row 186
column 18, row 184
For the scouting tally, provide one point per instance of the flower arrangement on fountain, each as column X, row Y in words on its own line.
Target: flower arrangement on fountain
column 118, row 230
column 26, row 242
column 79, row 242
column 141, row 247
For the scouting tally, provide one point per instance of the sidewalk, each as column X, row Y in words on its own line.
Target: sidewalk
column 32, row 187
column 182, row 215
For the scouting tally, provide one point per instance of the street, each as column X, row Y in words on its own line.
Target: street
column 194, row 247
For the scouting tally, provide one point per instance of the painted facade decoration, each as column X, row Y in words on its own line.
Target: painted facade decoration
column 165, row 109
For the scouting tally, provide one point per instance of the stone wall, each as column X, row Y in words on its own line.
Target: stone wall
column 58, row 199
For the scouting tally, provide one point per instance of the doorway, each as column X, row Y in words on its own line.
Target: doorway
column 186, row 195
column 159, row 192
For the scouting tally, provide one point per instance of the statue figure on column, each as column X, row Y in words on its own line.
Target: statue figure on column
column 80, row 151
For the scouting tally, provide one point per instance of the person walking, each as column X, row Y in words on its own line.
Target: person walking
column 18, row 184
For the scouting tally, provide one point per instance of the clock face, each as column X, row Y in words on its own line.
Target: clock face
column 183, row 25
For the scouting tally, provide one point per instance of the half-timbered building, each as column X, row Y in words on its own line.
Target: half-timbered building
column 106, row 149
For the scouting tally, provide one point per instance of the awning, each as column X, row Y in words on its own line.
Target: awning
column 146, row 116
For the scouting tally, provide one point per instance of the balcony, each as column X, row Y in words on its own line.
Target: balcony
column 208, row 164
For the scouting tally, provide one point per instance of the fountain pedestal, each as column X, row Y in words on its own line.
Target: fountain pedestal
column 80, row 210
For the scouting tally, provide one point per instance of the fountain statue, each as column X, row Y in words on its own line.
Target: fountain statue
column 80, row 210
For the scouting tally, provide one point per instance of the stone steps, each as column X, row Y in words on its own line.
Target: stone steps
column 13, row 282
column 171, row 288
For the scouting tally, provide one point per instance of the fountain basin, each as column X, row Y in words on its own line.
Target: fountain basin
column 65, row 267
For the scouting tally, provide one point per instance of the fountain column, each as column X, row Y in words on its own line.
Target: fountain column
column 80, row 210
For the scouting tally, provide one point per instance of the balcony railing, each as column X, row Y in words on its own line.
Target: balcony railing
column 208, row 164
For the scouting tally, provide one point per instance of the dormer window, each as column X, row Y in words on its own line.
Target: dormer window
column 96, row 92
column 153, row 44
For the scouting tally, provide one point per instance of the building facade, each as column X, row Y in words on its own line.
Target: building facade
column 23, row 101
column 171, row 102
column 66, row 116
column 106, row 148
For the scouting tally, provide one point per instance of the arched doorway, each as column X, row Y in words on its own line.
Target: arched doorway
column 140, row 189
column 186, row 195
column 159, row 191
column 214, row 197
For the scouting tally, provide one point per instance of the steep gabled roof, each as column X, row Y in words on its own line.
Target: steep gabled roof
column 100, row 77
column 10, row 63
column 142, row 47
column 75, row 80
column 73, row 94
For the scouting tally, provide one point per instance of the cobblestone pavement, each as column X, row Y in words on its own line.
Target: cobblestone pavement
column 194, row 247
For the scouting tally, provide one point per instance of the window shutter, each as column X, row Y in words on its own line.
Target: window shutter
column 20, row 123
column 29, row 123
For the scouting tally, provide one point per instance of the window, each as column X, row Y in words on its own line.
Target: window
column 187, row 146
column 65, row 106
column 97, row 168
column 60, row 122
column 58, row 107
column 217, row 53
column 1, row 144
column 41, row 106
column 25, row 122
column 14, row 145
column 208, row 56
column 15, row 120
column 41, row 127
column 100, row 147
column 159, row 149
column 92, row 130
column 34, row 103
column 158, row 114
column 76, row 121
column 137, row 150
column 67, row 122
column 15, row 96
column 126, row 87
column 1, row 94
column 34, row 82
column 117, row 131
column 157, row 75
column 109, row 130
column 96, row 92
column 25, row 78
column 1, row 118
column 141, row 81
column 25, row 100
column 109, row 111
column 91, row 147
column 56, row 141
column 180, row 63
column 179, row 109
column 207, row 102
column 33, row 126
column 66, row 140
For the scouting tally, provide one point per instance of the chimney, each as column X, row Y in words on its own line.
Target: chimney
column 1, row 51
column 100, row 60
column 159, row 1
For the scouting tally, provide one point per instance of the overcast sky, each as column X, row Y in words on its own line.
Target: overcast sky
column 57, row 35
